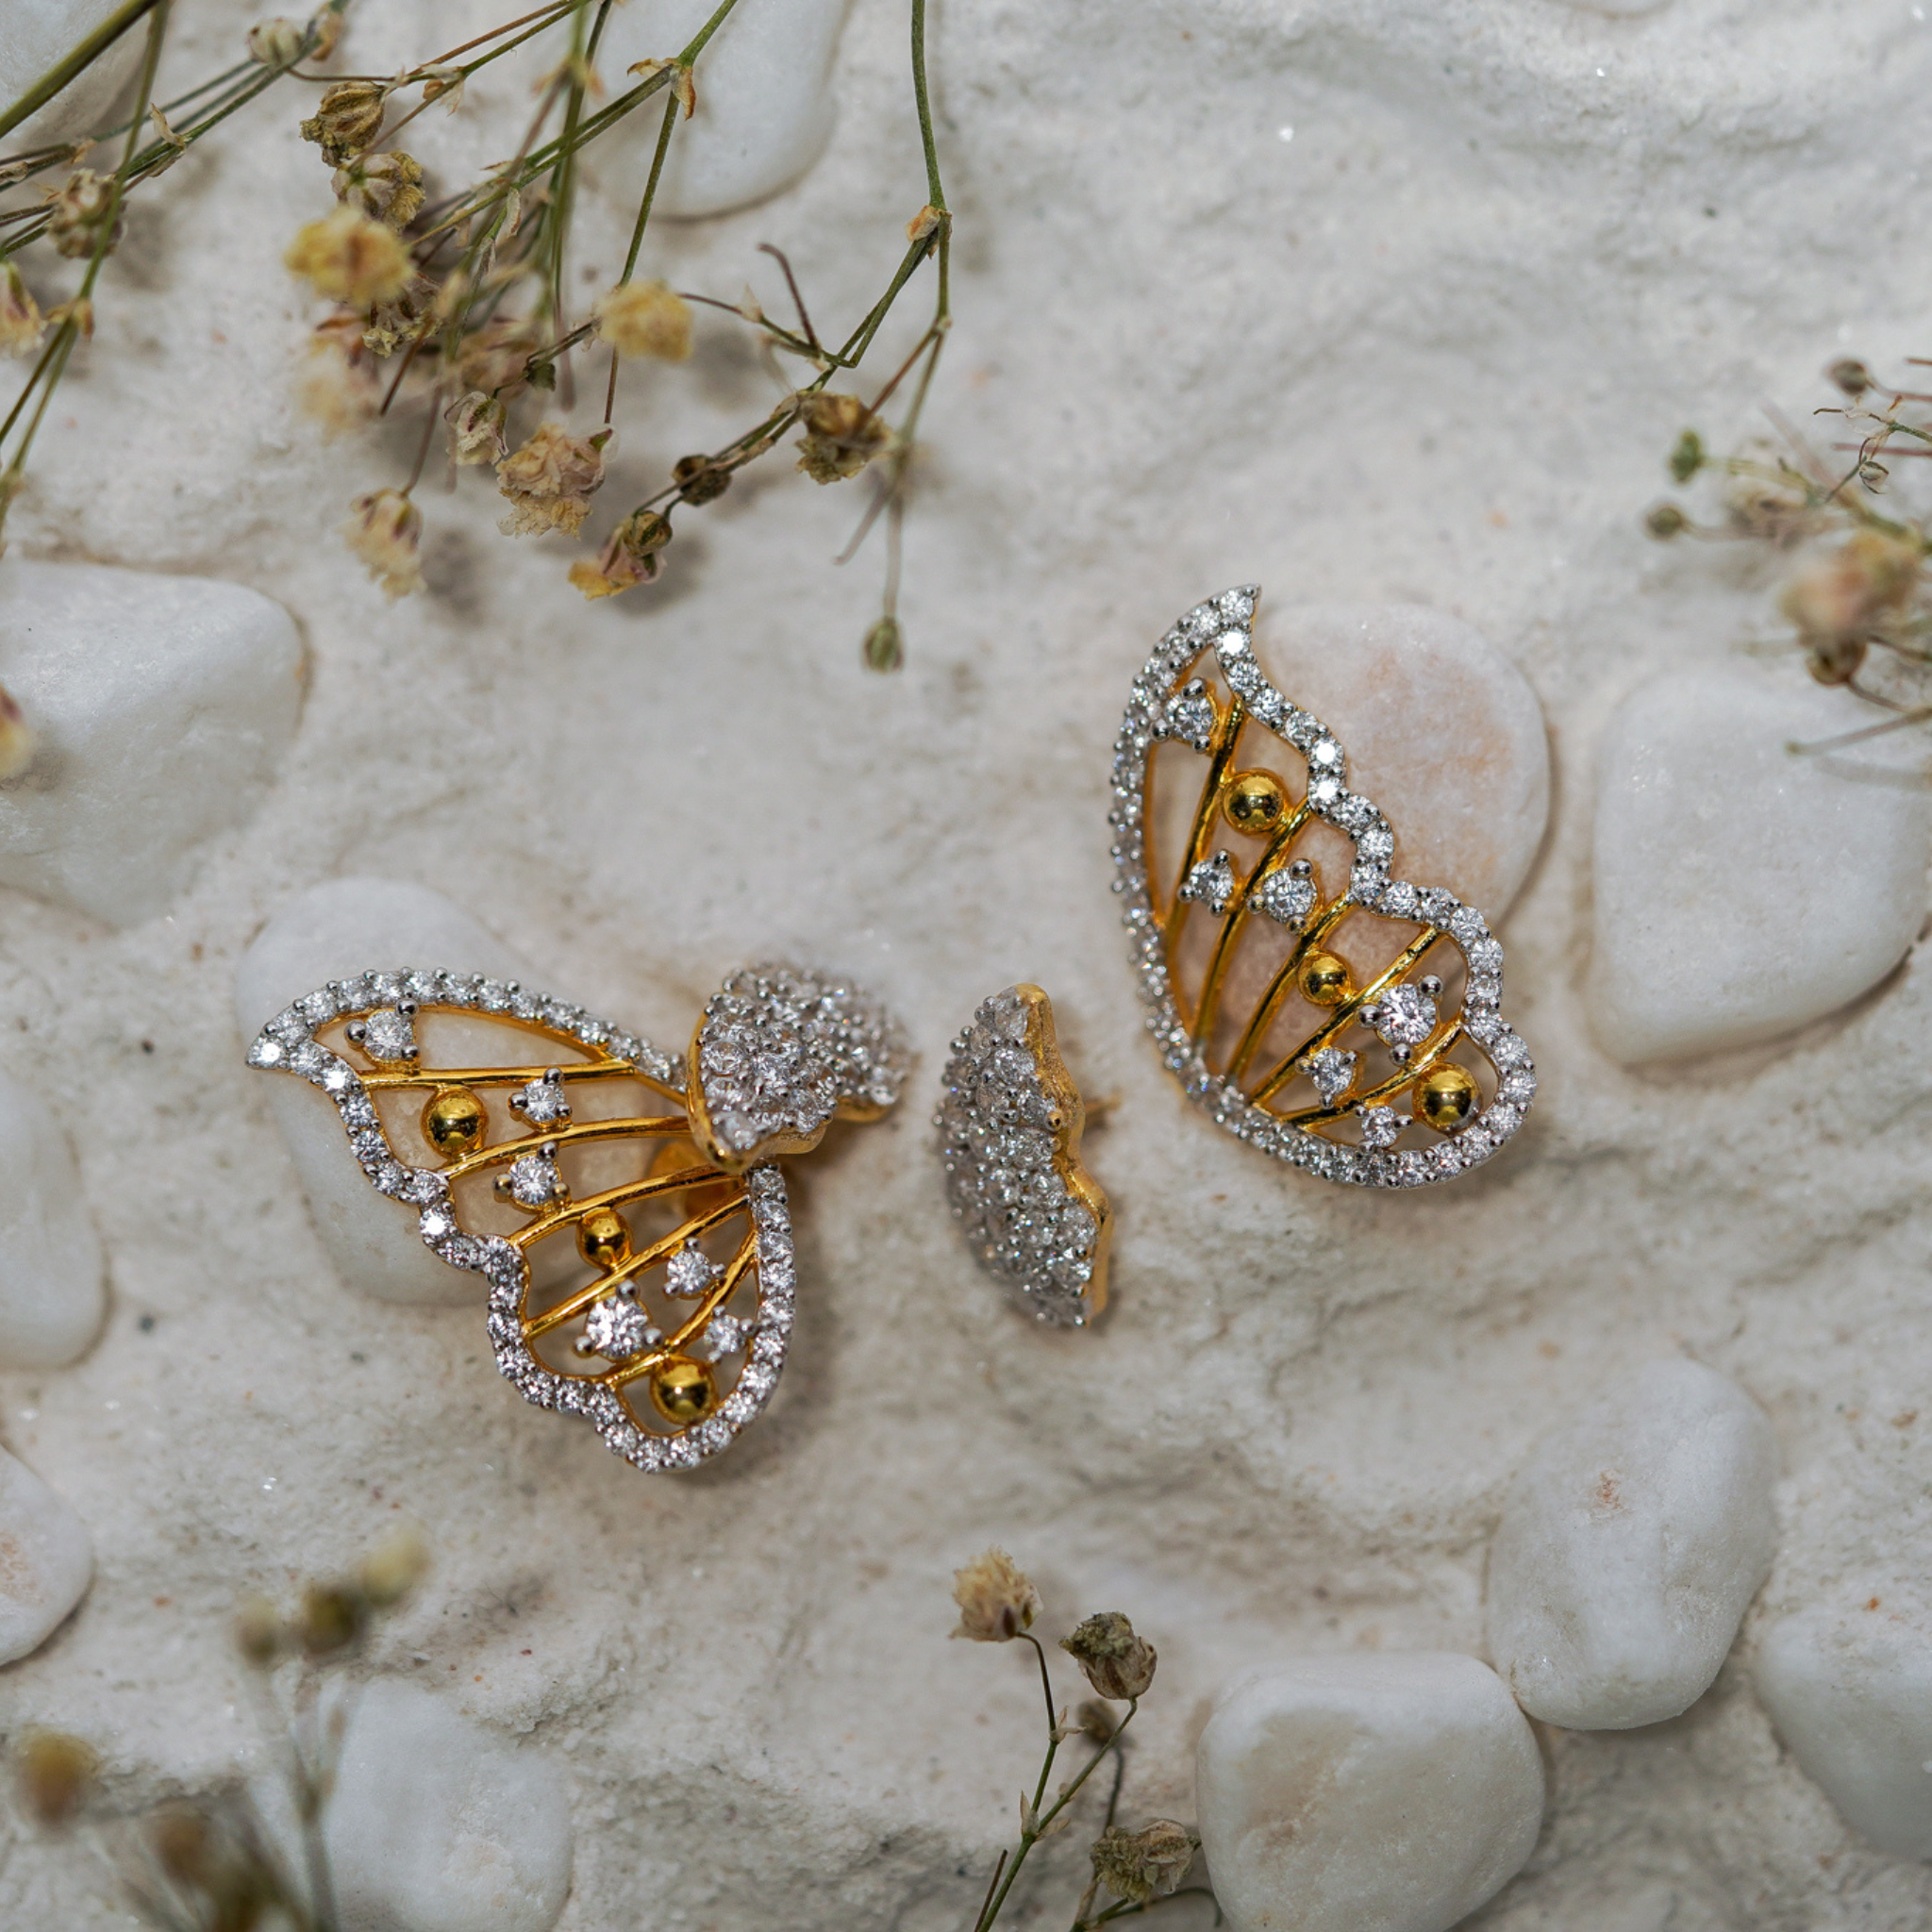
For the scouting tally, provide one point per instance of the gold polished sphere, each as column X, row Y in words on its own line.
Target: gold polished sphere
column 1445, row 1096
column 1325, row 980
column 682, row 1391
column 604, row 1238
column 1254, row 802
column 453, row 1121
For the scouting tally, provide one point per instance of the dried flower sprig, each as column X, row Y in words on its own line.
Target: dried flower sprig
column 1859, row 603
column 1137, row 1870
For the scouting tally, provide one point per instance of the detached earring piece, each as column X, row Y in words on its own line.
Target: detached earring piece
column 1010, row 1122
column 623, row 1205
column 1316, row 1005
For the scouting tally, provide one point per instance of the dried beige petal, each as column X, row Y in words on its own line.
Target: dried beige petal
column 350, row 259
column 549, row 482
column 644, row 319
column 996, row 1598
column 385, row 530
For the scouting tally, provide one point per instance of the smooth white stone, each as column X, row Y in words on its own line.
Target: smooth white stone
column 46, row 1559
column 52, row 1289
column 335, row 931
column 1393, row 1790
column 1441, row 730
column 38, row 33
column 765, row 102
column 162, row 706
column 1850, row 1692
column 438, row 1825
column 1742, row 889
column 1632, row 1543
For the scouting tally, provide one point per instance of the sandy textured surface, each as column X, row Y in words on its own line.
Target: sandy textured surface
column 1431, row 348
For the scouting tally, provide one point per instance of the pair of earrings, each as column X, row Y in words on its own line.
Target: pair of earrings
column 626, row 1209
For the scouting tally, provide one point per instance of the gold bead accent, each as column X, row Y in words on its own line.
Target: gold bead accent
column 682, row 1391
column 1445, row 1097
column 1325, row 980
column 1254, row 802
column 604, row 1238
column 453, row 1121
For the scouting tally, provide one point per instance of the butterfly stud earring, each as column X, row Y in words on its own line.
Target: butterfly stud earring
column 625, row 1206
column 1317, row 1005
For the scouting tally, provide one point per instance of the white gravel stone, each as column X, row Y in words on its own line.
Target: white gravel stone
column 439, row 1825
column 1443, row 731
column 1849, row 1690
column 1633, row 1540
column 52, row 1291
column 1742, row 889
column 162, row 706
column 46, row 1559
column 334, row 931
column 765, row 102
column 38, row 33
column 1397, row 1790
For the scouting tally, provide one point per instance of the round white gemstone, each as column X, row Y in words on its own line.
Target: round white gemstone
column 617, row 1329
column 1405, row 1016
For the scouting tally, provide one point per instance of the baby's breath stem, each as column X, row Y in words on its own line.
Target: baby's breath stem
column 76, row 60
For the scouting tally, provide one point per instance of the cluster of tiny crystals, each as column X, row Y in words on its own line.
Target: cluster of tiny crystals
column 1225, row 625
column 998, row 1144
column 781, row 1048
column 288, row 1044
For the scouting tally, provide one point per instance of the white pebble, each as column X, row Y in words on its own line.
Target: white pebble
column 162, row 706
column 765, row 102
column 1441, row 730
column 1851, row 1692
column 334, row 931
column 1394, row 1791
column 1742, row 889
column 438, row 1825
column 51, row 1288
column 46, row 1560
column 39, row 33
column 1631, row 1543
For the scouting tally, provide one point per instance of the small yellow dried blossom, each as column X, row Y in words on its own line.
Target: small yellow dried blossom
column 22, row 324
column 549, row 482
column 842, row 436
column 996, row 1598
column 79, row 209
column 644, row 319
column 1117, row 1661
column 475, row 423
column 385, row 530
column 629, row 558
column 16, row 738
column 350, row 259
column 1837, row 602
column 387, row 187
column 338, row 384
column 56, row 1775
column 396, row 324
column 393, row 1568
column 1147, row 1864
column 347, row 119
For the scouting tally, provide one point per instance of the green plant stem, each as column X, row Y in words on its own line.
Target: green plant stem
column 72, row 62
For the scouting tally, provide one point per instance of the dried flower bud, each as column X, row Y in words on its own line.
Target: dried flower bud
column 332, row 1618
column 79, row 212
column 629, row 557
column 347, row 119
column 1664, row 521
column 276, row 42
column 885, row 645
column 16, row 738
column 996, row 1598
column 57, row 1776
column 699, row 479
column 385, row 530
column 644, row 319
column 843, row 435
column 1851, row 376
column 259, row 1634
column 22, row 324
column 1767, row 498
column 387, row 187
column 444, row 84
column 1836, row 662
column 350, row 259
column 393, row 1568
column 1835, row 602
column 549, row 482
column 1117, row 1662
column 183, row 1842
column 475, row 423
column 1687, row 459
column 1146, row 1864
